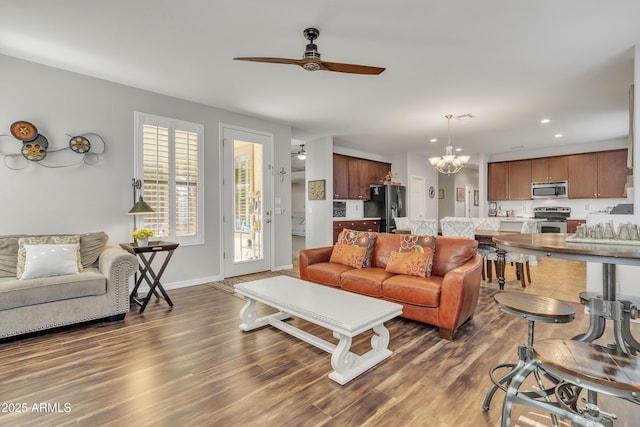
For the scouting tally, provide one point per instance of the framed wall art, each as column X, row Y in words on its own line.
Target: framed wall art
column 316, row 190
column 476, row 197
column 460, row 194
column 440, row 193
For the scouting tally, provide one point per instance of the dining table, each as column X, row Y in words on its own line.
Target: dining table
column 601, row 307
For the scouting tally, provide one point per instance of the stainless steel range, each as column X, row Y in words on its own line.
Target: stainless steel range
column 556, row 218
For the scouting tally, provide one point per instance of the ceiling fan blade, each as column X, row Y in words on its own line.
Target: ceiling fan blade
column 271, row 60
column 350, row 68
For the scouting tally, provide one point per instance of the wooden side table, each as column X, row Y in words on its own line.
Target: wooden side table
column 146, row 270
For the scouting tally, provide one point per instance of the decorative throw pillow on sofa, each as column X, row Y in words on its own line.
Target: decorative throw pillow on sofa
column 414, row 243
column 49, row 240
column 411, row 263
column 362, row 239
column 50, row 260
column 350, row 255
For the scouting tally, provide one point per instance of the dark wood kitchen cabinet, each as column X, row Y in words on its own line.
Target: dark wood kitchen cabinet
column 352, row 176
column 598, row 175
column 340, row 177
column 547, row 169
column 509, row 180
column 359, row 179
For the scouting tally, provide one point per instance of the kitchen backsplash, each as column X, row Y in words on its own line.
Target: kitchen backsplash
column 348, row 209
column 579, row 208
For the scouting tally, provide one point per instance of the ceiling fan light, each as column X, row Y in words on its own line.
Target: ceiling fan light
column 311, row 66
column 302, row 156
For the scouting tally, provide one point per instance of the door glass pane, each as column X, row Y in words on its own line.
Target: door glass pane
column 247, row 158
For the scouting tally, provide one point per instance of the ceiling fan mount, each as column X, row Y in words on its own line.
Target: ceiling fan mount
column 311, row 59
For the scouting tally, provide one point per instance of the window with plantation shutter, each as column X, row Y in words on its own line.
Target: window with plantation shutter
column 169, row 163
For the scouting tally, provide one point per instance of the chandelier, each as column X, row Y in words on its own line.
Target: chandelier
column 449, row 163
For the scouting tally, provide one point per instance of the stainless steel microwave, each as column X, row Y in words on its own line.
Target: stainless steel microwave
column 549, row 190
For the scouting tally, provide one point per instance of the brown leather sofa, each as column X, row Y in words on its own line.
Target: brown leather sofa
column 446, row 299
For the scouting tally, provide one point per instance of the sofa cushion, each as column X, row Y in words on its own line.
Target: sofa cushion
column 420, row 291
column 361, row 239
column 18, row 293
column 326, row 273
column 385, row 244
column 8, row 255
column 365, row 281
column 411, row 263
column 352, row 256
column 452, row 252
column 37, row 240
column 91, row 246
column 50, row 260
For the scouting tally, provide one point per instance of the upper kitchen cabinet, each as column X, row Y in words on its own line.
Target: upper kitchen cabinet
column 359, row 179
column 340, row 177
column 550, row 169
column 353, row 176
column 377, row 172
column 520, row 180
column 598, row 175
column 509, row 180
column 497, row 181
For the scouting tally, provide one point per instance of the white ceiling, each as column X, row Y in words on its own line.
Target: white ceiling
column 509, row 63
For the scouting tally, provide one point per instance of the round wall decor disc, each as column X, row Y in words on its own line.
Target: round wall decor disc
column 24, row 131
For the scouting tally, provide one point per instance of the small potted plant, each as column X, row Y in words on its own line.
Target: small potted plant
column 141, row 235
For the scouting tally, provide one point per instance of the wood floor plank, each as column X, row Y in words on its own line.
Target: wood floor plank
column 193, row 366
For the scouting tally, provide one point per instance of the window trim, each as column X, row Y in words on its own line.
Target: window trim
column 140, row 119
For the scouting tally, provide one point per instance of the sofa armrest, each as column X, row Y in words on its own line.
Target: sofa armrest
column 313, row 256
column 117, row 265
column 459, row 294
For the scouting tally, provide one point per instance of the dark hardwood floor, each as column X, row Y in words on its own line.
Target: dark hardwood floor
column 193, row 366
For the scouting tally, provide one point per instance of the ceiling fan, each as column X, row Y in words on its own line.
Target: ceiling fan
column 301, row 154
column 311, row 59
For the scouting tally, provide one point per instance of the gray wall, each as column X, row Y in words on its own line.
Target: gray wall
column 89, row 198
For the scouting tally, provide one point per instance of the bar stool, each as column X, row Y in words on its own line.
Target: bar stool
column 534, row 308
column 577, row 365
column 621, row 312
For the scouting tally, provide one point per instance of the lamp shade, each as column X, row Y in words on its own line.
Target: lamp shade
column 140, row 208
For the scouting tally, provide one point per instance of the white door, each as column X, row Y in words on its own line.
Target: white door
column 417, row 199
column 246, row 201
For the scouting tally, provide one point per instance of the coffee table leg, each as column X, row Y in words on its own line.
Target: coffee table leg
column 249, row 316
column 348, row 365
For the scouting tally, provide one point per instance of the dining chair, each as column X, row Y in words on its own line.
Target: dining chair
column 520, row 260
column 424, row 227
column 402, row 223
column 457, row 227
column 486, row 223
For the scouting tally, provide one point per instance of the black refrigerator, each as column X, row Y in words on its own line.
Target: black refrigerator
column 387, row 202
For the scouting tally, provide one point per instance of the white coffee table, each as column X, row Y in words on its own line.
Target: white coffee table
column 345, row 313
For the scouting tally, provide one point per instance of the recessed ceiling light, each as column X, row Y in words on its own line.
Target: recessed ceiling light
column 558, row 135
column 433, row 140
column 543, row 121
column 458, row 149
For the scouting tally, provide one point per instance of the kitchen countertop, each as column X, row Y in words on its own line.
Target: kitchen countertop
column 516, row 219
column 355, row 219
